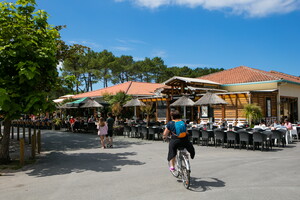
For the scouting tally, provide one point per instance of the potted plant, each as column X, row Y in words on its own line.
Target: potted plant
column 56, row 123
column 253, row 113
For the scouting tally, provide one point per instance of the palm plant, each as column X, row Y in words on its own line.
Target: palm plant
column 148, row 109
column 116, row 102
column 252, row 112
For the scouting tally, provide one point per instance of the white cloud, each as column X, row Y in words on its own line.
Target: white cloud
column 191, row 65
column 160, row 53
column 252, row 8
column 122, row 48
column 85, row 43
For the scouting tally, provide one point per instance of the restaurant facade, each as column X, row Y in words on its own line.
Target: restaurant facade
column 276, row 93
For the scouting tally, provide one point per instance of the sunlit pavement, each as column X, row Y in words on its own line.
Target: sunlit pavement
column 73, row 166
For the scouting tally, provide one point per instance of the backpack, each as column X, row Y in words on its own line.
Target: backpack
column 180, row 129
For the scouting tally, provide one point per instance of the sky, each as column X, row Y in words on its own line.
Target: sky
column 262, row 34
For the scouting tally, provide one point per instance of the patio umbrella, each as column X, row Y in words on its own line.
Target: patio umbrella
column 91, row 103
column 78, row 102
column 134, row 103
column 66, row 106
column 210, row 99
column 183, row 101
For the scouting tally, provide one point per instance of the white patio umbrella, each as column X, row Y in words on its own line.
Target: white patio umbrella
column 134, row 103
column 183, row 101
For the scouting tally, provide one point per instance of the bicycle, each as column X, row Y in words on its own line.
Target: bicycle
column 182, row 167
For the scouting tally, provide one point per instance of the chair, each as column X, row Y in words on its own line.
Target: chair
column 126, row 131
column 134, row 131
column 206, row 136
column 236, row 128
column 144, row 133
column 293, row 133
column 244, row 137
column 139, row 131
column 232, row 137
column 260, row 138
column 196, row 134
column 153, row 131
column 219, row 136
column 279, row 136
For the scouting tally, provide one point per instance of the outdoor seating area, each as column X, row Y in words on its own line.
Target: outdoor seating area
column 233, row 137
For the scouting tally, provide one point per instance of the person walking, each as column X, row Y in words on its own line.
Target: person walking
column 110, row 124
column 102, row 131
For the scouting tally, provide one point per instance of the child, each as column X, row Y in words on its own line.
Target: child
column 102, row 130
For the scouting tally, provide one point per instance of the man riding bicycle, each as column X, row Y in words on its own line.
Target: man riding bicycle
column 179, row 138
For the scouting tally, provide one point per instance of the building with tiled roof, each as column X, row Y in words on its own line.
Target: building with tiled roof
column 245, row 74
column 276, row 92
column 138, row 89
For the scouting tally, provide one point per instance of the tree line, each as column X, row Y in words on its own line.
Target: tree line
column 88, row 67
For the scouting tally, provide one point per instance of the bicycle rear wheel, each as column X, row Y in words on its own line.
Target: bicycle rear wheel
column 185, row 176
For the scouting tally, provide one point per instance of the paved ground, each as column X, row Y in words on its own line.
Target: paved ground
column 73, row 166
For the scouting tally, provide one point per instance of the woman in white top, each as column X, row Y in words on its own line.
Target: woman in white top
column 102, row 131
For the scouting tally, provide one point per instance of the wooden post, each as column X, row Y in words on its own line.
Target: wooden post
column 223, row 112
column 236, row 111
column 168, row 118
column 22, row 151
column 18, row 132
column 33, row 143
column 0, row 129
column 29, row 135
column 12, row 131
column 34, row 131
column 24, row 131
column 39, row 141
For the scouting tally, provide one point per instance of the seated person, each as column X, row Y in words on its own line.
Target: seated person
column 275, row 125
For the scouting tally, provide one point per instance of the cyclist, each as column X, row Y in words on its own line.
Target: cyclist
column 177, row 140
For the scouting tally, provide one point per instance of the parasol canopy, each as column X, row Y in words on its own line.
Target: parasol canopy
column 66, row 106
column 210, row 99
column 183, row 101
column 133, row 102
column 91, row 103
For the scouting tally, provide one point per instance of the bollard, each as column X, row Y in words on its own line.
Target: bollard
column 39, row 141
column 33, row 146
column 22, row 151
column 12, row 131
column 18, row 132
column 29, row 135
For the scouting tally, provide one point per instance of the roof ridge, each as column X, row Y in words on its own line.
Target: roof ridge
column 129, row 87
column 266, row 73
column 288, row 75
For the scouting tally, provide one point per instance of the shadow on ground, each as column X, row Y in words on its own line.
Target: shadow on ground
column 205, row 183
column 59, row 163
column 60, row 141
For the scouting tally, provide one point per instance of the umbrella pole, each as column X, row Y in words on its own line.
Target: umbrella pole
column 135, row 113
column 184, row 112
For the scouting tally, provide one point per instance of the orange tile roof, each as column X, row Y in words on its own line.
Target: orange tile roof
column 245, row 74
column 130, row 87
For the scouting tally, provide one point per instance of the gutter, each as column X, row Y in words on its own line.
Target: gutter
column 262, row 82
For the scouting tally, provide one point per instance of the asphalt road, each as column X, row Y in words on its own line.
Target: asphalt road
column 72, row 166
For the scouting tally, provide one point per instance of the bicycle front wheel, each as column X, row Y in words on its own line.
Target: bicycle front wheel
column 185, row 176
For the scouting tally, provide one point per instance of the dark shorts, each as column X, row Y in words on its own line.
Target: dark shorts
column 109, row 133
column 176, row 143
